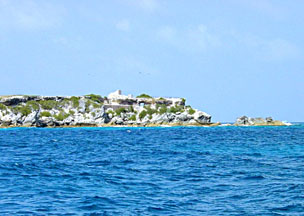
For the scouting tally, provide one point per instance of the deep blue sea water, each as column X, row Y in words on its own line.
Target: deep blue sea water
column 152, row 171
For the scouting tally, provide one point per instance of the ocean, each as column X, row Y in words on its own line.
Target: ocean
column 152, row 171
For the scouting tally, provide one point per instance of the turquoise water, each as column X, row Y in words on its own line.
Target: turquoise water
column 152, row 171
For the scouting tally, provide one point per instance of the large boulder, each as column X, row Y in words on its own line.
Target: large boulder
column 202, row 117
column 243, row 120
column 30, row 120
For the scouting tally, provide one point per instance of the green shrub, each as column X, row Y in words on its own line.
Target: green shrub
column 96, row 106
column 161, row 98
column 64, row 102
column 24, row 110
column 175, row 109
column 96, row 98
column 191, row 111
column 93, row 114
column 143, row 96
column 163, row 109
column 71, row 112
column 120, row 110
column 132, row 118
column 90, row 102
column 33, row 104
column 142, row 114
column 87, row 105
column 75, row 101
column 45, row 114
column 150, row 111
column 110, row 112
column 183, row 100
column 48, row 104
column 3, row 107
column 61, row 116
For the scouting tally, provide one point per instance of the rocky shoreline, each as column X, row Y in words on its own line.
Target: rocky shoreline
column 94, row 110
column 114, row 110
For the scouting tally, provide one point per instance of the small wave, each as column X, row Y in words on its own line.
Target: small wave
column 290, row 207
column 155, row 209
column 255, row 177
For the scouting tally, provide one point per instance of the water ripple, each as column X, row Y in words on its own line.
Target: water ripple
column 152, row 171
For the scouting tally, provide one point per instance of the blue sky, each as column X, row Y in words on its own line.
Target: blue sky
column 228, row 58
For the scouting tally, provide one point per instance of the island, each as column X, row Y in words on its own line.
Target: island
column 115, row 109
column 268, row 121
column 94, row 110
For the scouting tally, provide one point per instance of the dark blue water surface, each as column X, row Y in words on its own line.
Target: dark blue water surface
column 152, row 171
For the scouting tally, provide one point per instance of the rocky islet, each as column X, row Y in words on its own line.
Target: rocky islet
column 95, row 110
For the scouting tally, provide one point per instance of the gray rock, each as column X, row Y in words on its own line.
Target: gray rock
column 81, row 107
column 269, row 119
column 183, row 117
column 30, row 120
column 253, row 121
column 202, row 117
column 242, row 120
column 248, row 121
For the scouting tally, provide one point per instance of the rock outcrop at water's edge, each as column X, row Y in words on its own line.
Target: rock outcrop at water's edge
column 248, row 121
column 95, row 110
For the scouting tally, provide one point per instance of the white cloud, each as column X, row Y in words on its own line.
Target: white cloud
column 29, row 14
column 123, row 25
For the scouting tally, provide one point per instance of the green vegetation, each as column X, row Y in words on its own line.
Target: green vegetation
column 48, row 104
column 120, row 110
column 87, row 105
column 183, row 100
column 93, row 114
column 143, row 96
column 45, row 114
column 75, row 101
column 61, row 116
column 24, row 110
column 96, row 98
column 71, row 112
column 110, row 112
column 90, row 102
column 33, row 104
column 3, row 107
column 163, row 109
column 161, row 98
column 175, row 109
column 142, row 114
column 132, row 118
column 191, row 111
column 131, row 109
column 96, row 106
column 150, row 111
